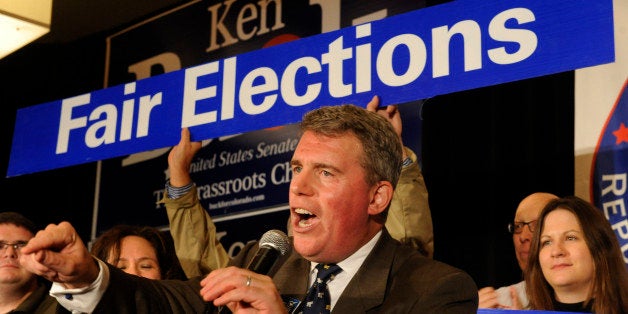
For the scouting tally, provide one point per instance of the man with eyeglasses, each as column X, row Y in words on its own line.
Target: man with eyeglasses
column 20, row 290
column 514, row 296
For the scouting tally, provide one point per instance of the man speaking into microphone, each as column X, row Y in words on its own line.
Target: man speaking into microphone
column 345, row 169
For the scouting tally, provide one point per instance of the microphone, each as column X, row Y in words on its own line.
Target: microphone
column 272, row 245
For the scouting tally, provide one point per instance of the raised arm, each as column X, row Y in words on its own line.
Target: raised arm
column 191, row 227
column 409, row 217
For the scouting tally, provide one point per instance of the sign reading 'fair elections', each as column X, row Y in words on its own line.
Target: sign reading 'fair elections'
column 241, row 179
column 437, row 50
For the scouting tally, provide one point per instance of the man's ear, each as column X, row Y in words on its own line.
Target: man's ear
column 381, row 196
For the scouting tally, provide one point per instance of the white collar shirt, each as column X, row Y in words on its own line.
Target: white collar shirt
column 350, row 267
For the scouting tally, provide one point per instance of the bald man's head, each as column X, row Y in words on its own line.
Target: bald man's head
column 527, row 213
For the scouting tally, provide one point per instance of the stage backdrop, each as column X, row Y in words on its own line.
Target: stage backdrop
column 601, row 132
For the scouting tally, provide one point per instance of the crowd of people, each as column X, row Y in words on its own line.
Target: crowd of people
column 357, row 201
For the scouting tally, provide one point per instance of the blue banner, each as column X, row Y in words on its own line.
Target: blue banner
column 610, row 171
column 437, row 50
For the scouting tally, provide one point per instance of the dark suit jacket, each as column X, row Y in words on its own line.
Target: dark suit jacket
column 128, row 294
column 38, row 302
column 393, row 279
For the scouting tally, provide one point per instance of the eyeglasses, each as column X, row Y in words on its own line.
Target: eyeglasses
column 17, row 246
column 517, row 227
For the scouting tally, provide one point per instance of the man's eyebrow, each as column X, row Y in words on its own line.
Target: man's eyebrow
column 296, row 162
column 327, row 166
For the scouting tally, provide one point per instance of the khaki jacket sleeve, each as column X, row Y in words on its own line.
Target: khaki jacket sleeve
column 409, row 217
column 194, row 234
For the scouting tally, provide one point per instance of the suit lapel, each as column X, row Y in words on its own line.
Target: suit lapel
column 292, row 280
column 367, row 288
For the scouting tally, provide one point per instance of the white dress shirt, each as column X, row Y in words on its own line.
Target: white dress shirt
column 83, row 300
column 349, row 267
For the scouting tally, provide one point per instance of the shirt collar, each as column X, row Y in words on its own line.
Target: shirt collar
column 351, row 264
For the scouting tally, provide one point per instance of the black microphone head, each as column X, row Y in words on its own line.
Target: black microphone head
column 275, row 239
column 272, row 252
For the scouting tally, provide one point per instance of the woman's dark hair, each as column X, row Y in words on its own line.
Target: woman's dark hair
column 610, row 287
column 107, row 247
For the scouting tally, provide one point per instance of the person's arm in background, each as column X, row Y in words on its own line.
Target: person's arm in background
column 409, row 217
column 191, row 227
